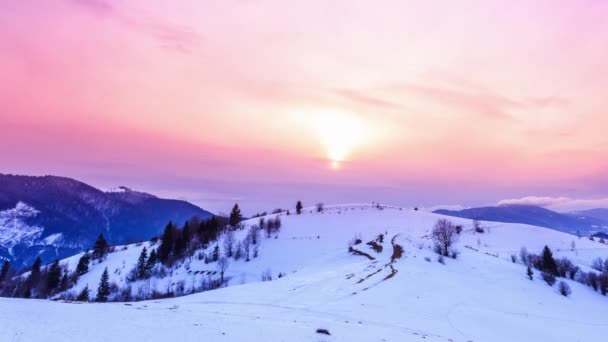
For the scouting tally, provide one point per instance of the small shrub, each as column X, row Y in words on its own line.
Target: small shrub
column 513, row 258
column 441, row 260
column 375, row 246
column 548, row 278
column 323, row 332
column 564, row 289
column 458, row 229
column 454, row 254
column 428, row 259
column 478, row 227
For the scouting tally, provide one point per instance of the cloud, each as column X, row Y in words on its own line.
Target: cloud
column 170, row 36
column 359, row 97
column 98, row 6
column 559, row 203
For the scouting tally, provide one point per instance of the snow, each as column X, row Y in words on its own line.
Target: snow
column 14, row 230
column 481, row 296
column 120, row 189
column 52, row 239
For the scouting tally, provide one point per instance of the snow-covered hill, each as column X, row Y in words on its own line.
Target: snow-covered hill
column 480, row 296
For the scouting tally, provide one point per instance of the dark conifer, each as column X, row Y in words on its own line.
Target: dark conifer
column 103, row 291
column 216, row 253
column 83, row 263
column 529, row 273
column 35, row 273
column 53, row 278
column 299, row 208
column 4, row 272
column 549, row 264
column 83, row 296
column 101, row 247
column 235, row 216
column 167, row 243
column 141, row 264
column 152, row 260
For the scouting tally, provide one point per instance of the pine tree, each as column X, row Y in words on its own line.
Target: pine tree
column 83, row 263
column 83, row 296
column 235, row 216
column 152, row 260
column 141, row 264
column 187, row 234
column 549, row 264
column 53, row 278
column 6, row 266
column 35, row 273
column 216, row 253
column 103, row 291
column 529, row 273
column 100, row 249
column 167, row 243
column 299, row 208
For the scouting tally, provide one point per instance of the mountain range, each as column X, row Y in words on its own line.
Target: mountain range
column 55, row 217
column 585, row 222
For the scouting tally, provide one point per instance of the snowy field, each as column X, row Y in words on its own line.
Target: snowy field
column 481, row 296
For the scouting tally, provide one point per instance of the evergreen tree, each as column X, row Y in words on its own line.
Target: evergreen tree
column 187, row 234
column 53, row 278
column 299, row 208
column 100, row 249
column 63, row 285
column 35, row 273
column 529, row 273
column 216, row 253
column 549, row 264
column 235, row 216
column 103, row 291
column 152, row 260
column 141, row 264
column 6, row 266
column 167, row 242
column 83, row 263
column 83, row 296
column 180, row 244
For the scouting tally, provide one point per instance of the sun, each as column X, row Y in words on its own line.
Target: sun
column 339, row 134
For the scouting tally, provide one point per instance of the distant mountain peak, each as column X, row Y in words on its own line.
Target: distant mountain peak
column 52, row 216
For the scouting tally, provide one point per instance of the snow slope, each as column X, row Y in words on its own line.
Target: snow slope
column 13, row 228
column 481, row 296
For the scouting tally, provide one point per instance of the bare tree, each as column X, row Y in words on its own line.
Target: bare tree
column 247, row 247
column 254, row 234
column 229, row 244
column 222, row 266
column 444, row 235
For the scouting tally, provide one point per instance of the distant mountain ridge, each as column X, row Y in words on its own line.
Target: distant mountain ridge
column 55, row 217
column 533, row 215
column 599, row 213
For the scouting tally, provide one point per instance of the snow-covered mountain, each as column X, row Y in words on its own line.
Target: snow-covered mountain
column 337, row 275
column 572, row 223
column 54, row 217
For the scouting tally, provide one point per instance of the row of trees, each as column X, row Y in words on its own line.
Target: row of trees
column 44, row 282
column 552, row 268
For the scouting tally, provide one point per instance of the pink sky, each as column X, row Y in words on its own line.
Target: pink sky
column 218, row 101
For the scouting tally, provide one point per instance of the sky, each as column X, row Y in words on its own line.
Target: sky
column 264, row 102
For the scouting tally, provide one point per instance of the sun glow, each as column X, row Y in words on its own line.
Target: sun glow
column 339, row 133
